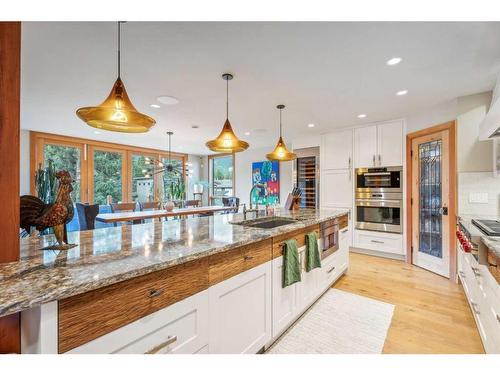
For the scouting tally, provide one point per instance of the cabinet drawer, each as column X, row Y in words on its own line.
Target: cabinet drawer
column 181, row 328
column 333, row 266
column 230, row 263
column 299, row 236
column 385, row 242
column 86, row 316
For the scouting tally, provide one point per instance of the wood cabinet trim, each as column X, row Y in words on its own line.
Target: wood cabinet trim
column 87, row 316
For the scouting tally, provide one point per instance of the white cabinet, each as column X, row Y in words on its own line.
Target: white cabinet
column 365, row 147
column 379, row 145
column 181, row 328
column 336, row 150
column 336, row 188
column 390, row 144
column 290, row 302
column 240, row 312
column 483, row 295
column 379, row 241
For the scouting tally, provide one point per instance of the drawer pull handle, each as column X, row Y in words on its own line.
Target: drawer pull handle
column 375, row 241
column 248, row 257
column 331, row 269
column 475, row 308
column 344, row 230
column 498, row 318
column 476, row 271
column 154, row 293
column 156, row 349
column 462, row 274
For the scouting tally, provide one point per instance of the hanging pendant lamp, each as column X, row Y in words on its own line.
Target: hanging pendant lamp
column 116, row 113
column 280, row 152
column 227, row 141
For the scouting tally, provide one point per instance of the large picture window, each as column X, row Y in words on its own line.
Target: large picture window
column 103, row 169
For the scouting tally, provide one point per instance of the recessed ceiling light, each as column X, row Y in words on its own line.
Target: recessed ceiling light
column 96, row 132
column 361, row 115
column 394, row 61
column 402, row 92
column 247, row 133
column 168, row 100
column 155, row 105
column 310, row 125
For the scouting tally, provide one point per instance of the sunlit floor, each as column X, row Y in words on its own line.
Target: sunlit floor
column 431, row 314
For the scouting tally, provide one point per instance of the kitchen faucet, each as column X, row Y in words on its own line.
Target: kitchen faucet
column 256, row 209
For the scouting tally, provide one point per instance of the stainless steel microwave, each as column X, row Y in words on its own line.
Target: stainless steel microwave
column 379, row 180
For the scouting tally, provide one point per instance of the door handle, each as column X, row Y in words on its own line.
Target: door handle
column 373, row 159
column 379, row 160
column 443, row 211
column 475, row 308
column 350, row 170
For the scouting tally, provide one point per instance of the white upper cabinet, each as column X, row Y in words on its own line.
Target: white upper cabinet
column 336, row 150
column 365, row 146
column 390, row 144
column 379, row 145
column 336, row 188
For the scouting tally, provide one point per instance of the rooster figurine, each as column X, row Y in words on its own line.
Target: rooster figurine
column 34, row 212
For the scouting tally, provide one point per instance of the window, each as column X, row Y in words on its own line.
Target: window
column 103, row 169
column 65, row 157
column 221, row 178
column 143, row 184
column 108, row 170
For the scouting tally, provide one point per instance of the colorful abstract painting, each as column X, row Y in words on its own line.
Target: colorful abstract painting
column 266, row 173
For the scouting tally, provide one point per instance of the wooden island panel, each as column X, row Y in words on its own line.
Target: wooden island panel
column 87, row 316
column 298, row 235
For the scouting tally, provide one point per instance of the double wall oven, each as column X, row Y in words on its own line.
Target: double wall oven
column 379, row 199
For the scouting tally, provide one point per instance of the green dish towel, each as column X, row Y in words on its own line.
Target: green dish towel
column 291, row 263
column 312, row 252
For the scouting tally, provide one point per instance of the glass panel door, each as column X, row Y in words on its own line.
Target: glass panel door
column 430, row 201
column 431, row 223
column 173, row 179
column 143, row 184
column 306, row 181
column 221, row 178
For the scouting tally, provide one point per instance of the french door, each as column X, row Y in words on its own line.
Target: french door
column 430, row 201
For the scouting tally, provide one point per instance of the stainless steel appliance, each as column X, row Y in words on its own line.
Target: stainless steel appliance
column 329, row 233
column 489, row 227
column 379, row 180
column 381, row 212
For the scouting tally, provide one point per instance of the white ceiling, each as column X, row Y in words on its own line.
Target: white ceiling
column 325, row 73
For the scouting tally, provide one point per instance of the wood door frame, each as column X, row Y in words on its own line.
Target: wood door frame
column 452, row 209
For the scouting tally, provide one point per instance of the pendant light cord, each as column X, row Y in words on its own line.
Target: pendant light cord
column 227, row 99
column 169, row 148
column 119, row 43
column 280, row 121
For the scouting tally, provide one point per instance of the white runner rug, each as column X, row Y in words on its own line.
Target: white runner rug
column 339, row 323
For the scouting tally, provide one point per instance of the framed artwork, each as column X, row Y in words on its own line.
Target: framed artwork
column 266, row 173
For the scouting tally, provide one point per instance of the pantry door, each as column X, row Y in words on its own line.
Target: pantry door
column 432, row 195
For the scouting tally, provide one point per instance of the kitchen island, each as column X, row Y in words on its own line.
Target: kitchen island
column 125, row 289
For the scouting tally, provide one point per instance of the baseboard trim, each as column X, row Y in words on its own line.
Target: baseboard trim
column 377, row 253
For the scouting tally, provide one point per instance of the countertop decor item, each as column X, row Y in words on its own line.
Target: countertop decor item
column 281, row 152
column 37, row 213
column 227, row 141
column 116, row 113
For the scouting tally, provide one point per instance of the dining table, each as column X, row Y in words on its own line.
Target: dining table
column 137, row 216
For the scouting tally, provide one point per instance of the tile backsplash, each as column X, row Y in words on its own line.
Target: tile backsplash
column 478, row 194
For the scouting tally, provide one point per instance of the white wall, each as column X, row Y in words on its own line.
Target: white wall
column 473, row 183
column 473, row 155
column 436, row 115
column 24, row 174
column 243, row 169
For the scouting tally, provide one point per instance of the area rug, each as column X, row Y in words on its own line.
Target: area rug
column 338, row 323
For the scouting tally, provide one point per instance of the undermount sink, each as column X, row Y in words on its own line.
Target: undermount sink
column 267, row 222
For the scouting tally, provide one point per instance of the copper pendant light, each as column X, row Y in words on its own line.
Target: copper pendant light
column 227, row 141
column 116, row 113
column 280, row 152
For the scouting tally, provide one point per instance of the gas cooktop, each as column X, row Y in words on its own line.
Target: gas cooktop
column 489, row 227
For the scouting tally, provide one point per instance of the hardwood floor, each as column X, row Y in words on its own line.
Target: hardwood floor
column 431, row 314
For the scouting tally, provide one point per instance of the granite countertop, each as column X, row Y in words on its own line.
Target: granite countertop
column 493, row 243
column 110, row 255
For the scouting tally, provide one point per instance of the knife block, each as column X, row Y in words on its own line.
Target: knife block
column 292, row 203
